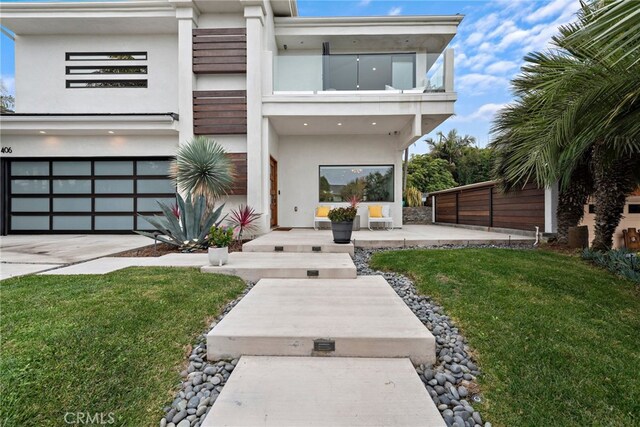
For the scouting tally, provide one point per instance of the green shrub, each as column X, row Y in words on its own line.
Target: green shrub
column 188, row 231
column 342, row 214
column 220, row 237
column 413, row 196
column 617, row 261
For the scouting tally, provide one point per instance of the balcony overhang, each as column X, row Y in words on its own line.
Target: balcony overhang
column 130, row 17
column 368, row 34
column 89, row 124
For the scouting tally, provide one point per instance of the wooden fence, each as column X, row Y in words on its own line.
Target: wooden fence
column 484, row 205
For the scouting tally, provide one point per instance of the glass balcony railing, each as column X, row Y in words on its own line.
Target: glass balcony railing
column 401, row 72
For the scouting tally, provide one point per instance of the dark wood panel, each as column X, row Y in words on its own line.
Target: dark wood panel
column 220, row 130
column 219, row 31
column 216, row 69
column 219, row 60
column 216, row 45
column 220, row 52
column 220, row 112
column 219, row 38
column 239, row 161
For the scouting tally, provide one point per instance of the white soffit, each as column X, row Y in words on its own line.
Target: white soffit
column 137, row 17
column 339, row 125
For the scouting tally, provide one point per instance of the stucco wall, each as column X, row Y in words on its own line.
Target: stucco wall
column 629, row 220
column 298, row 173
column 40, row 65
column 90, row 145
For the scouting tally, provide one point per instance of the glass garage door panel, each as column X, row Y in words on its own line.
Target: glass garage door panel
column 30, row 168
column 28, row 223
column 64, row 223
column 113, row 168
column 114, row 204
column 29, row 205
column 72, row 186
column 150, row 204
column 72, row 168
column 153, row 167
column 114, row 186
column 114, row 223
column 29, row 186
column 155, row 186
column 73, row 204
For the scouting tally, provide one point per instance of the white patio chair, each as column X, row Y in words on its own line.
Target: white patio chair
column 385, row 219
column 320, row 219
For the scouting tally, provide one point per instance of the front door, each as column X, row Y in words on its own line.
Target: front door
column 273, row 190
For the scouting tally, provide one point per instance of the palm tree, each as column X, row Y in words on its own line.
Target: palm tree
column 202, row 168
column 449, row 147
column 576, row 120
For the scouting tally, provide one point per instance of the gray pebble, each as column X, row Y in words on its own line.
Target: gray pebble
column 179, row 416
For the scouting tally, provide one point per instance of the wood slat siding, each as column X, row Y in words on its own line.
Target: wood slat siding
column 219, row 50
column 219, row 112
column 486, row 206
column 239, row 187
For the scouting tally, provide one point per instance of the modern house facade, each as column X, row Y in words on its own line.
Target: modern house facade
column 311, row 110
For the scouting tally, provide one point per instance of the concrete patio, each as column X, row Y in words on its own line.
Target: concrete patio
column 303, row 239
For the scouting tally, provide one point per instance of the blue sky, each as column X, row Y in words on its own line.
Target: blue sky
column 491, row 42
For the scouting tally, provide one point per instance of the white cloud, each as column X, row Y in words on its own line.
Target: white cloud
column 478, row 84
column 551, row 9
column 484, row 113
column 364, row 3
column 9, row 82
column 500, row 67
column 395, row 11
column 475, row 38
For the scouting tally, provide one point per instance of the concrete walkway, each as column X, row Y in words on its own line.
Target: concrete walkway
column 26, row 254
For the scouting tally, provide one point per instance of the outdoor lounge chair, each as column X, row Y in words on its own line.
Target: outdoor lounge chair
column 384, row 219
column 321, row 219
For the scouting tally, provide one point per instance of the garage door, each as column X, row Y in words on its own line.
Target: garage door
column 85, row 196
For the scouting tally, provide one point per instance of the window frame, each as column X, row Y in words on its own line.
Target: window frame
column 393, row 180
column 85, row 56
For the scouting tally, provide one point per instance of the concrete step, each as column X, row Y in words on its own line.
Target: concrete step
column 362, row 317
column 289, row 241
column 253, row 266
column 314, row 391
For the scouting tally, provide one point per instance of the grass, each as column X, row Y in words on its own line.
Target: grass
column 111, row 344
column 557, row 339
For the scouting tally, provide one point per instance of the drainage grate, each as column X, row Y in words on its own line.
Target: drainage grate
column 324, row 345
column 279, row 249
column 313, row 273
column 316, row 248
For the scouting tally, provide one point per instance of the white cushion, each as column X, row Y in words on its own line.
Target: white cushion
column 386, row 209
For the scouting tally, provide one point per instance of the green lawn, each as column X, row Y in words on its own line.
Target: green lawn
column 101, row 344
column 558, row 340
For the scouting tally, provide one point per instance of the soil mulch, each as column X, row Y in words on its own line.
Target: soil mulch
column 160, row 249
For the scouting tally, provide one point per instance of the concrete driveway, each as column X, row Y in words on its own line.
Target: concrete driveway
column 20, row 255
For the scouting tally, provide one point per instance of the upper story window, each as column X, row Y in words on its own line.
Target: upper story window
column 102, row 73
column 106, row 56
column 369, row 71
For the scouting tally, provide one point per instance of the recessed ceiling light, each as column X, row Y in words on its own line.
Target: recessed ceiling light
column 306, row 124
column 373, row 69
column 42, row 131
column 373, row 123
column 339, row 124
column 111, row 132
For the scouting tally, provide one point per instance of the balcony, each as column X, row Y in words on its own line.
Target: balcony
column 360, row 74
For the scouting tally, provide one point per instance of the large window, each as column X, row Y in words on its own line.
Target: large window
column 131, row 74
column 368, row 183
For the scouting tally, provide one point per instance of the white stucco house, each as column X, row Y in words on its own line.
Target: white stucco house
column 312, row 110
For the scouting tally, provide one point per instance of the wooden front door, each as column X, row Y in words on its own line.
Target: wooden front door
column 273, row 190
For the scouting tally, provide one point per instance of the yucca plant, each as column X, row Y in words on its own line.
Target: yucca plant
column 413, row 197
column 202, row 168
column 188, row 231
column 243, row 219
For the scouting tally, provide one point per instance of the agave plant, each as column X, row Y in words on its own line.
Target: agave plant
column 243, row 219
column 202, row 168
column 188, row 231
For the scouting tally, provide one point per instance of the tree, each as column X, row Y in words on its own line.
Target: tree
column 428, row 174
column 475, row 165
column 7, row 101
column 202, row 168
column 576, row 121
column 449, row 147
